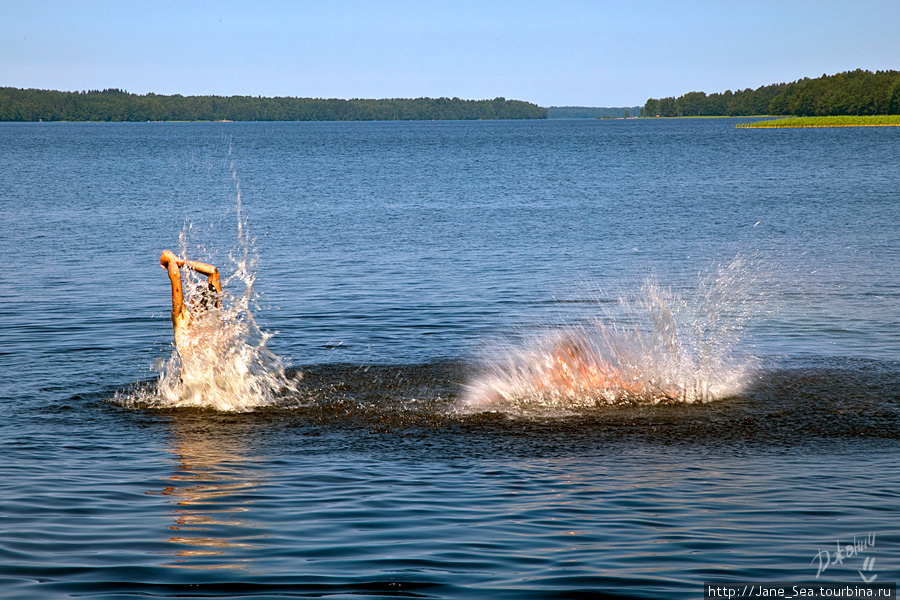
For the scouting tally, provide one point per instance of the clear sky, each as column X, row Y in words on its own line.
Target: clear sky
column 553, row 53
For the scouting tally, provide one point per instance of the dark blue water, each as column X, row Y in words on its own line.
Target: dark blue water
column 397, row 264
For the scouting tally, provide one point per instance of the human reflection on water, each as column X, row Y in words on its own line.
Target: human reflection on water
column 212, row 490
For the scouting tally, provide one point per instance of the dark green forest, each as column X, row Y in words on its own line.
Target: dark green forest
column 117, row 105
column 851, row 93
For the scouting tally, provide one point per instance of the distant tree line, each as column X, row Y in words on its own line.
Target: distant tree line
column 591, row 112
column 117, row 105
column 851, row 93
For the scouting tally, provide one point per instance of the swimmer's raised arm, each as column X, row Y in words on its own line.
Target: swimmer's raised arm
column 211, row 272
column 170, row 263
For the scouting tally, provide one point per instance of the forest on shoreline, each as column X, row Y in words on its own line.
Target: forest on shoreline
column 117, row 105
column 852, row 93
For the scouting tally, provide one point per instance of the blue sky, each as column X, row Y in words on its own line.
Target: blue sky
column 553, row 53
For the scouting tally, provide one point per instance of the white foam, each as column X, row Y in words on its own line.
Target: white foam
column 660, row 346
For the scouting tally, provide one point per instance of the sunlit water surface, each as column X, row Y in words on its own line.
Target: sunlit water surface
column 383, row 415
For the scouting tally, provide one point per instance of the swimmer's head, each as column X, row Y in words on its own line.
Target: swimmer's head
column 570, row 347
column 205, row 299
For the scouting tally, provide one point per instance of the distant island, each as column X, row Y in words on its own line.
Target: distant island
column 853, row 93
column 589, row 112
column 117, row 105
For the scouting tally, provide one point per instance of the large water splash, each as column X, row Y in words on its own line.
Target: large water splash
column 656, row 346
column 224, row 363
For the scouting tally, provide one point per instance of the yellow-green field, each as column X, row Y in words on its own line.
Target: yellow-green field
column 876, row 121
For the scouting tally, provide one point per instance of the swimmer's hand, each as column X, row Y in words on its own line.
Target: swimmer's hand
column 168, row 256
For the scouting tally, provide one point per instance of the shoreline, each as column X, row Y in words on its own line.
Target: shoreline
column 820, row 122
column 747, row 126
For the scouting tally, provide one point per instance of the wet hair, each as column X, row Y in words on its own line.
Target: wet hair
column 571, row 346
column 206, row 298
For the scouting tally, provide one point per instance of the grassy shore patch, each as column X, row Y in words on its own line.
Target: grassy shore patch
column 845, row 121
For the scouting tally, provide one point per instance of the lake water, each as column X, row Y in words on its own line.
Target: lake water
column 413, row 277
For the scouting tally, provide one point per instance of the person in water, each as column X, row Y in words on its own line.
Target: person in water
column 182, row 317
column 572, row 368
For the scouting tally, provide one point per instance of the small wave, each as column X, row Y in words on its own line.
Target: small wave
column 398, row 408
